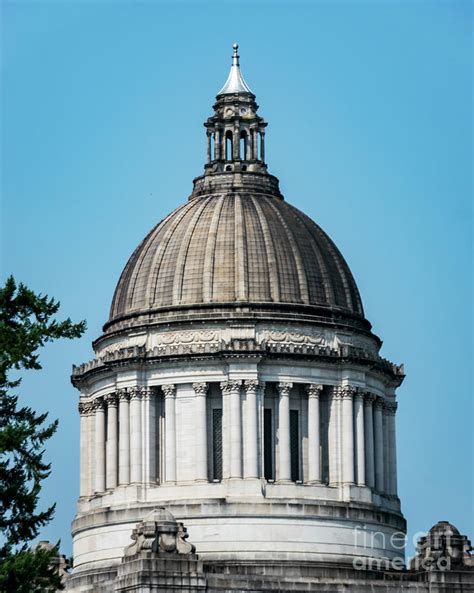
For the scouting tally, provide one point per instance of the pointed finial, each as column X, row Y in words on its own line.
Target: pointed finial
column 235, row 55
column 235, row 82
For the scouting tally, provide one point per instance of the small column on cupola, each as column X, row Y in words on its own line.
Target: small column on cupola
column 235, row 133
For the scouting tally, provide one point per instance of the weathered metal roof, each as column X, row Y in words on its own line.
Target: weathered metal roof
column 235, row 82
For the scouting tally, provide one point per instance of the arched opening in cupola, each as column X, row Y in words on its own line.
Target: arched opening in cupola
column 228, row 145
column 243, row 146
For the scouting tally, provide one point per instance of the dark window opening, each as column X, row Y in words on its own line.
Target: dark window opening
column 294, row 445
column 268, row 445
column 217, row 444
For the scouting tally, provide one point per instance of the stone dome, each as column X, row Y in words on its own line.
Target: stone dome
column 235, row 248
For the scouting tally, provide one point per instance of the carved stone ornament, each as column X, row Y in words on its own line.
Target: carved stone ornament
column 229, row 386
column 159, row 533
column 379, row 402
column 251, row 385
column 135, row 392
column 111, row 399
column 391, row 407
column 348, row 391
column 314, row 390
column 169, row 390
column 370, row 397
column 200, row 388
column 284, row 388
column 123, row 395
column 85, row 408
column 98, row 404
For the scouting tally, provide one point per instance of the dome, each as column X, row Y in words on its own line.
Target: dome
column 235, row 248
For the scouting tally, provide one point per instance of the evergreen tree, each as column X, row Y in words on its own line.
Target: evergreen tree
column 26, row 323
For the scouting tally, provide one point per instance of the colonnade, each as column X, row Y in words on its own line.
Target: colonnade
column 120, row 440
column 236, row 133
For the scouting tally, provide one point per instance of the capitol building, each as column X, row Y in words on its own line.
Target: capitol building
column 237, row 423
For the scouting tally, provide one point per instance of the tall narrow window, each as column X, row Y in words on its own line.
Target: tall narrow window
column 294, row 445
column 268, row 445
column 228, row 145
column 217, row 444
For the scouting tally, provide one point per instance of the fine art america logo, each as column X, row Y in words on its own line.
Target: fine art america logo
column 431, row 555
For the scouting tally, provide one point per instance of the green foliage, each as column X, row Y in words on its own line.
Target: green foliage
column 26, row 324
column 29, row 571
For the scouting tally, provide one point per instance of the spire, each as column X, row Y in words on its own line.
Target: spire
column 235, row 82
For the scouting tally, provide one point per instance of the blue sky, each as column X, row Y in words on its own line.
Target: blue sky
column 370, row 133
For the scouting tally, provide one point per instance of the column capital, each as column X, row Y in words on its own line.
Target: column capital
column 135, row 392
column 284, row 388
column 347, row 391
column 146, row 393
column 85, row 408
column 229, row 386
column 122, row 395
column 314, row 389
column 391, row 407
column 169, row 390
column 369, row 397
column 111, row 399
column 98, row 405
column 200, row 388
column 379, row 403
column 252, row 385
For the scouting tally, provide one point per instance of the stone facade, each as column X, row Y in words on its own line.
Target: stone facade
column 239, row 388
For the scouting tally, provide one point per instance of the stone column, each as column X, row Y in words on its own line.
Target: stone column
column 225, row 389
column 209, row 146
column 314, row 437
column 135, row 435
column 369, row 439
column 217, row 144
column 378, row 444
column 124, row 437
column 112, row 441
column 359, row 437
column 261, row 412
column 235, row 428
column 284, row 455
column 262, row 146
column 386, row 461
column 99, row 452
column 347, row 394
column 170, row 432
column 333, row 437
column 91, row 448
column 254, row 144
column 248, row 146
column 200, row 390
column 149, row 409
column 251, row 433
column 392, row 447
column 236, row 142
column 84, row 410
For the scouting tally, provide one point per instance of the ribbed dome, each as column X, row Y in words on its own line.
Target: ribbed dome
column 235, row 248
